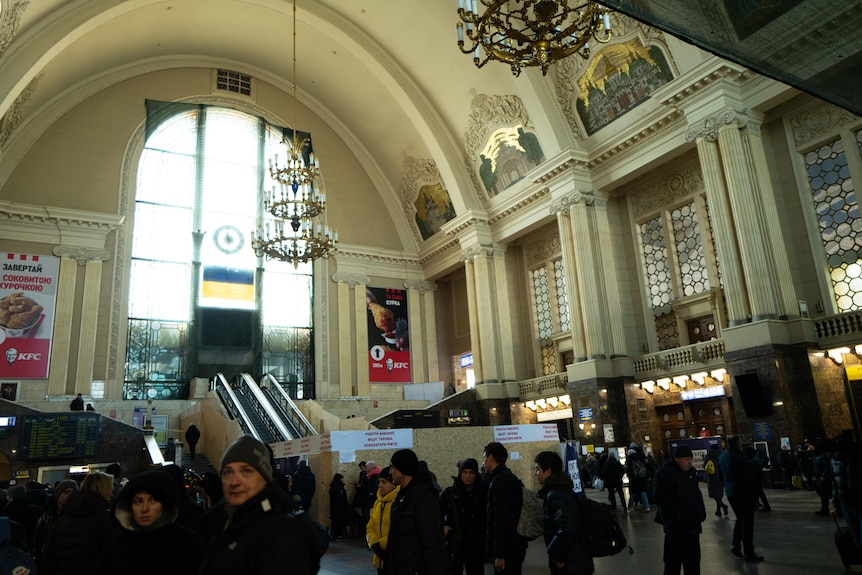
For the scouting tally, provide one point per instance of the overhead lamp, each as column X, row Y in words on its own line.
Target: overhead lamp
column 566, row 399
column 553, row 402
column 530, row 405
column 648, row 385
column 718, row 374
column 664, row 383
column 581, row 426
column 298, row 232
column 699, row 377
column 541, row 403
column 524, row 33
column 681, row 380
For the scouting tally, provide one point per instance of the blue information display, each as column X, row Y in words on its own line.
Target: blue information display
column 59, row 436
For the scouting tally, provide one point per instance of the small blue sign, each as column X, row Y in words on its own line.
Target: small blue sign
column 762, row 430
column 585, row 414
column 467, row 360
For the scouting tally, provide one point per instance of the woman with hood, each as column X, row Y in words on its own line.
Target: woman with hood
column 567, row 555
column 339, row 508
column 47, row 523
column 377, row 530
column 463, row 508
column 148, row 509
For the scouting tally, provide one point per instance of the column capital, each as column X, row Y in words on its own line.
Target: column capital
column 476, row 250
column 352, row 280
column 421, row 286
column 82, row 255
column 563, row 204
column 707, row 128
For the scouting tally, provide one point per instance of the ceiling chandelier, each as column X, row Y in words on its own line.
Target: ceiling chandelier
column 530, row 32
column 298, row 232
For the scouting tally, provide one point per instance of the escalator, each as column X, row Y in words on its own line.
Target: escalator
column 264, row 410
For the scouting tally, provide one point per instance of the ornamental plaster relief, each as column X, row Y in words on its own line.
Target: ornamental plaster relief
column 708, row 127
column 542, row 250
column 811, row 126
column 13, row 117
column 351, row 280
column 82, row 256
column 670, row 191
column 421, row 286
column 9, row 20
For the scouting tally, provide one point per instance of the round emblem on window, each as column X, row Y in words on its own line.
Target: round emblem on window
column 228, row 239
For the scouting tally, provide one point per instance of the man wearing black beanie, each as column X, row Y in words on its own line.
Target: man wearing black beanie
column 415, row 543
column 681, row 511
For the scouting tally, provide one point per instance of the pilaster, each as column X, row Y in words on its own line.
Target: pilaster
column 61, row 340
column 352, row 361
column 588, row 275
column 561, row 209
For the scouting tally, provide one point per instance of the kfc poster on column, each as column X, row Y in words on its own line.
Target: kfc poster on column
column 388, row 341
column 28, row 290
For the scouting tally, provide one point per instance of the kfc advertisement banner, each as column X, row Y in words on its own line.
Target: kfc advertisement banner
column 388, row 338
column 28, row 291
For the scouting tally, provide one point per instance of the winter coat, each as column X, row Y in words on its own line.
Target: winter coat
column 504, row 509
column 739, row 476
column 339, row 508
column 193, row 435
column 464, row 512
column 563, row 527
column 679, row 500
column 613, row 473
column 304, row 485
column 416, row 532
column 84, row 528
column 180, row 550
column 636, row 484
column 260, row 537
column 714, row 482
column 377, row 530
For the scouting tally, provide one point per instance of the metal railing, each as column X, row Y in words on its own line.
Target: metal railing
column 294, row 416
column 270, row 416
column 233, row 405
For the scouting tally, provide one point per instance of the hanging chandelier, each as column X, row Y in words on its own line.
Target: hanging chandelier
column 297, row 232
column 525, row 33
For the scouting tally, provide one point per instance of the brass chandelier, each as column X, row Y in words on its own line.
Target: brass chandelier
column 525, row 33
column 298, row 232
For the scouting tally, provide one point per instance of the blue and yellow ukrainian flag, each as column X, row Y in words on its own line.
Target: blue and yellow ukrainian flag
column 228, row 284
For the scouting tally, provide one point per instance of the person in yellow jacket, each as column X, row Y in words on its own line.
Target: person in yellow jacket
column 377, row 530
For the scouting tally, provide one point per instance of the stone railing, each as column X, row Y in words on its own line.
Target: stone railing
column 670, row 362
column 837, row 330
column 543, row 386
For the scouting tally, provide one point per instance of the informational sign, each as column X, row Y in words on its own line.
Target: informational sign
column 345, row 441
column 573, row 466
column 28, row 292
column 521, row 433
column 699, row 448
column 585, row 414
column 59, row 435
column 762, row 430
column 388, row 336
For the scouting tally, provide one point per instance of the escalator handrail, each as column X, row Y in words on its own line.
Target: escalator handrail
column 301, row 422
column 242, row 415
column 271, row 413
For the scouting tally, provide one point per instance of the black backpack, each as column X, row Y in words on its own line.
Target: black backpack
column 600, row 529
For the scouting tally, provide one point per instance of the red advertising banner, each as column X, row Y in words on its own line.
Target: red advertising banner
column 388, row 340
column 28, row 291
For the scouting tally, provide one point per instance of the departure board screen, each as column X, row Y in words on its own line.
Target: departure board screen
column 59, row 435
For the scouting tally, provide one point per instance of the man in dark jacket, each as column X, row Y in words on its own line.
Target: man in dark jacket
column 304, row 485
column 415, row 542
column 567, row 555
column 503, row 544
column 740, row 484
column 254, row 530
column 681, row 511
column 193, row 435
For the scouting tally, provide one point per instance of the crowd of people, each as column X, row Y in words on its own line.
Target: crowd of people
column 151, row 522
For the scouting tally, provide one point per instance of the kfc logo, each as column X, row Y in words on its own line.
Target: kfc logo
column 11, row 355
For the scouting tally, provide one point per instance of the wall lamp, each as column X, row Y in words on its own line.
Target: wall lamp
column 541, row 403
column 837, row 354
column 664, row 383
column 553, row 402
column 718, row 374
column 566, row 399
column 699, row 377
column 681, row 381
column 648, row 385
column 530, row 405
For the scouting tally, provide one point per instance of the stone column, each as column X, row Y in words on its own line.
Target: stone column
column 352, row 360
column 561, row 209
column 589, row 275
column 716, row 194
column 423, row 331
column 751, row 235
column 472, row 304
column 486, row 311
column 61, row 340
column 613, row 303
column 503, row 340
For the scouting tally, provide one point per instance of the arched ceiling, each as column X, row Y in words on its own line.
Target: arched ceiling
column 386, row 76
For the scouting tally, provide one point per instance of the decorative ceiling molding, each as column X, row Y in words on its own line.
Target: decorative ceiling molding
column 520, row 205
column 815, row 123
column 16, row 110
column 10, row 18
column 668, row 121
column 654, row 196
column 486, row 114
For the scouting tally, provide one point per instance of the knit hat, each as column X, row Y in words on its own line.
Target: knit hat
column 682, row 451
column 247, row 449
column 371, row 466
column 386, row 473
column 405, row 461
column 469, row 464
column 64, row 485
column 16, row 492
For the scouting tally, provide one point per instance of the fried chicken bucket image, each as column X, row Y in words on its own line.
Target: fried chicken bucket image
column 19, row 314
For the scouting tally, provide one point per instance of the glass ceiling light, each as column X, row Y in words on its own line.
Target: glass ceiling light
column 297, row 205
column 649, row 386
column 699, row 377
column 664, row 383
column 530, row 32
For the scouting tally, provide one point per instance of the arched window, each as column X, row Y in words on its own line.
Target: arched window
column 200, row 301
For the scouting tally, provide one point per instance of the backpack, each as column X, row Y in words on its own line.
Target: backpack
column 639, row 469
column 13, row 561
column 531, row 522
column 709, row 467
column 600, row 530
